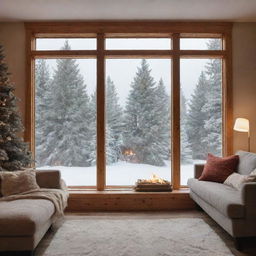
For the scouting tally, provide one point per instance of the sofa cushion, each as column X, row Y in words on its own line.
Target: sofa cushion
column 48, row 178
column 247, row 162
column 236, row 180
column 24, row 217
column 217, row 169
column 18, row 182
column 225, row 199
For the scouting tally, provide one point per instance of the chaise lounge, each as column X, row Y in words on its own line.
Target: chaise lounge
column 24, row 222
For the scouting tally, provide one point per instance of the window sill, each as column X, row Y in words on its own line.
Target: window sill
column 129, row 200
column 122, row 191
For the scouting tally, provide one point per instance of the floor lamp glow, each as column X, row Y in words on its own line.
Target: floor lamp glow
column 242, row 125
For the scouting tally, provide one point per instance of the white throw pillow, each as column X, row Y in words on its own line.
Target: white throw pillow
column 236, row 180
column 253, row 173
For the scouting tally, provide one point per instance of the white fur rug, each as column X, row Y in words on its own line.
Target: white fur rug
column 136, row 237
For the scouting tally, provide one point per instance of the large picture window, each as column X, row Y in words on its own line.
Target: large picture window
column 109, row 107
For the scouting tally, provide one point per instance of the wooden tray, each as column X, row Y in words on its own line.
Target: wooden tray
column 152, row 187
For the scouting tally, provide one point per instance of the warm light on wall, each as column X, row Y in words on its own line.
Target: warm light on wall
column 243, row 125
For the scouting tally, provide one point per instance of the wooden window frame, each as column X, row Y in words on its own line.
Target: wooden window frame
column 133, row 29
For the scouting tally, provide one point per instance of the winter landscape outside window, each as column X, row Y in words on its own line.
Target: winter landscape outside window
column 66, row 118
column 200, row 113
column 138, row 120
column 72, row 72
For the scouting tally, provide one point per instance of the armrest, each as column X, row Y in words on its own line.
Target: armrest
column 198, row 169
column 48, row 178
column 248, row 198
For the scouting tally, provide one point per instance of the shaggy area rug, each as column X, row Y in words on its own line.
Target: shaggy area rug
column 136, row 237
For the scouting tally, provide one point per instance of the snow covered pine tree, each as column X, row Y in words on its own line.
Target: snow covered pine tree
column 114, row 123
column 196, row 118
column 213, row 106
column 14, row 154
column 42, row 102
column 144, row 132
column 67, row 128
column 204, row 121
column 186, row 152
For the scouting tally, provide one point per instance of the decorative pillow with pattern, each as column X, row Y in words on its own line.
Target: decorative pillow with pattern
column 18, row 182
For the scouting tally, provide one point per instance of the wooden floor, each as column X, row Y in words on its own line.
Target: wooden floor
column 249, row 245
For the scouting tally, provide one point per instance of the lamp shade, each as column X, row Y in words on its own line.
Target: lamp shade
column 242, row 125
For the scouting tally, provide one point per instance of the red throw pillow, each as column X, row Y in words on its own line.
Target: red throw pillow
column 217, row 169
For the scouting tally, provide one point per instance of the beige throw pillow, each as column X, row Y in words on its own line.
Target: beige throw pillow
column 18, row 182
column 236, row 180
column 253, row 173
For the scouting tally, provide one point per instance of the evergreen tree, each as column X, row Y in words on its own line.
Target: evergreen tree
column 186, row 153
column 42, row 97
column 196, row 118
column 213, row 106
column 68, row 136
column 142, row 130
column 114, row 123
column 163, row 118
column 14, row 154
column 92, row 131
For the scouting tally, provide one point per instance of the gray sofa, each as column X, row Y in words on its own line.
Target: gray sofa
column 23, row 223
column 234, row 210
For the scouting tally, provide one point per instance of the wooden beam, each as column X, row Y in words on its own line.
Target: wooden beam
column 129, row 53
column 66, row 35
column 101, row 158
column 138, row 53
column 227, row 99
column 207, row 54
column 29, row 135
column 64, row 54
column 163, row 26
column 176, row 113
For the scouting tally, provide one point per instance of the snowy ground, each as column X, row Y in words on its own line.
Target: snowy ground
column 121, row 173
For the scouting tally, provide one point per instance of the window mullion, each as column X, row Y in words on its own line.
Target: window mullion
column 176, row 112
column 101, row 168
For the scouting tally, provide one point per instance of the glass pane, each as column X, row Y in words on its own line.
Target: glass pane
column 138, row 43
column 200, row 44
column 65, row 120
column 137, row 120
column 44, row 44
column 201, row 113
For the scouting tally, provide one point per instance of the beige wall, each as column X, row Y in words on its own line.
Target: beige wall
column 244, row 80
column 12, row 36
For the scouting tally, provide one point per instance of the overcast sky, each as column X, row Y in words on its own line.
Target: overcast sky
column 122, row 71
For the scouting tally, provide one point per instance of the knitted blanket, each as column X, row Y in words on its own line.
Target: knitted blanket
column 58, row 197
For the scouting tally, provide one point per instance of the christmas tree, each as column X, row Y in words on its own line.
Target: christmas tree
column 14, row 154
